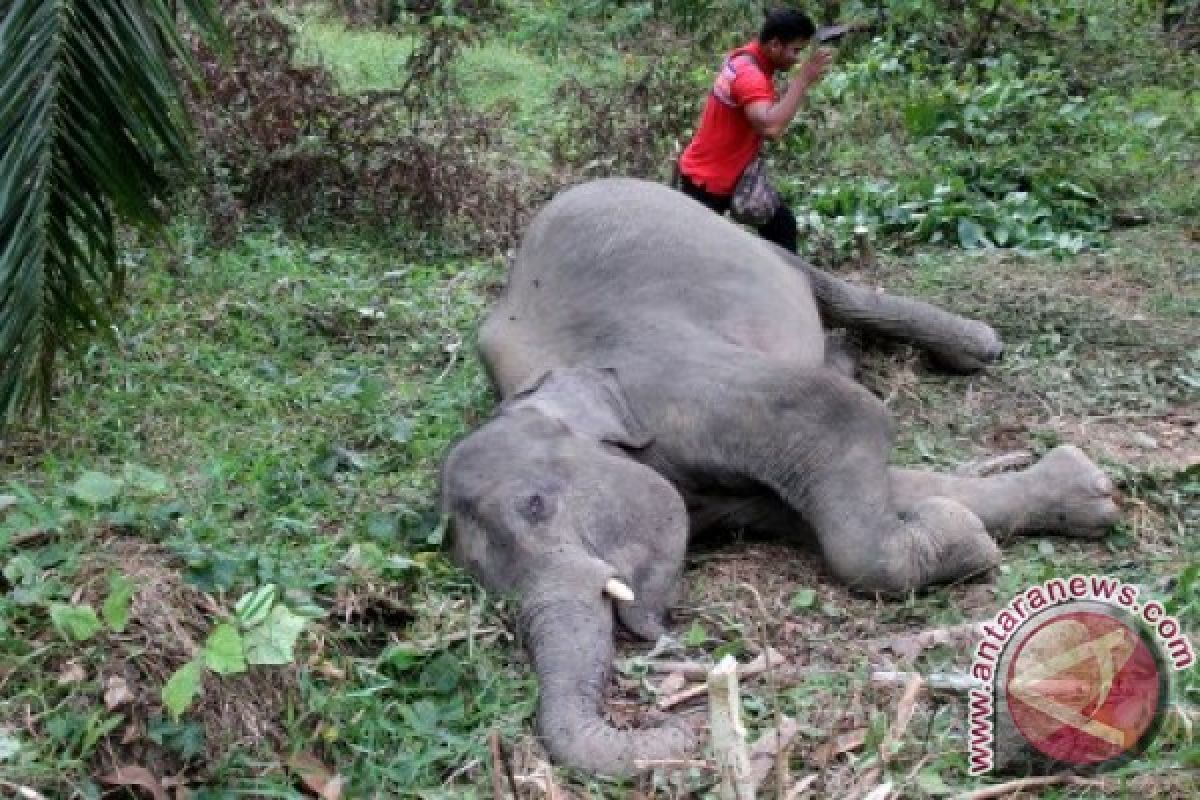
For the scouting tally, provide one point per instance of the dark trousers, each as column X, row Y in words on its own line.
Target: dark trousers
column 780, row 229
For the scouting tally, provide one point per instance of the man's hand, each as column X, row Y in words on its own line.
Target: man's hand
column 771, row 120
column 815, row 68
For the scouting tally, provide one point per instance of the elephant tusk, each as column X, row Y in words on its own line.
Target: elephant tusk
column 616, row 589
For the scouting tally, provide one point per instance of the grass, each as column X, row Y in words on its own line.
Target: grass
column 274, row 414
column 361, row 60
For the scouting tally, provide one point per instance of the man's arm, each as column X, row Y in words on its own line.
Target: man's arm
column 771, row 120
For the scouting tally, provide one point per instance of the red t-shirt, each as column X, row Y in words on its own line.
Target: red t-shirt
column 725, row 141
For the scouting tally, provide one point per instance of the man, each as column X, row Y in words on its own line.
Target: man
column 743, row 109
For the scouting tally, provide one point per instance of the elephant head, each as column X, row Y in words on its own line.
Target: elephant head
column 547, row 506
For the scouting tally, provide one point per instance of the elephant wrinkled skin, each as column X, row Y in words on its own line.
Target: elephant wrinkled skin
column 664, row 371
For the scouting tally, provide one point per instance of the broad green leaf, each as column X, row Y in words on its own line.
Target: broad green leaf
column 274, row 641
column 381, row 525
column 181, row 690
column 144, row 480
column 970, row 234
column 930, row 782
column 96, row 488
column 438, row 534
column 78, row 623
column 696, row 635
column 254, row 606
column 804, row 599
column 116, row 606
column 402, row 656
column 1148, row 120
column 10, row 745
column 224, row 652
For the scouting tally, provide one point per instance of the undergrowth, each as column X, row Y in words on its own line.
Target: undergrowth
column 237, row 501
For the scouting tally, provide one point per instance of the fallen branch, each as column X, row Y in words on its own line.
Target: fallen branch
column 696, row 671
column 1003, row 789
column 681, row 697
column 904, row 714
column 674, row 763
column 881, row 792
column 755, row 667
column 23, row 792
column 728, row 734
column 935, row 681
column 500, row 760
column 801, row 787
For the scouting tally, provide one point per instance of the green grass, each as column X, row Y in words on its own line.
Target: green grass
column 275, row 413
column 361, row 60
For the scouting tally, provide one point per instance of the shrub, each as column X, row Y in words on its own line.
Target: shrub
column 282, row 138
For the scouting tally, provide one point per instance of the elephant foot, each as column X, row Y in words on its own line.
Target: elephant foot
column 938, row 540
column 948, row 542
column 981, row 347
column 1080, row 500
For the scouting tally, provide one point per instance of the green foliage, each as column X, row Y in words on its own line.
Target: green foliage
column 991, row 158
column 224, row 650
column 225, row 362
column 116, row 607
column 182, row 688
column 89, row 129
column 75, row 622
column 96, row 488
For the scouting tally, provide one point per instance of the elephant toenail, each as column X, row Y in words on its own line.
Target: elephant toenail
column 1104, row 486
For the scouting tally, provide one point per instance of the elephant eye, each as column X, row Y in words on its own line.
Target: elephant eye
column 534, row 508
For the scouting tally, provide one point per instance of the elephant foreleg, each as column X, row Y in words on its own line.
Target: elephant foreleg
column 825, row 456
column 1063, row 493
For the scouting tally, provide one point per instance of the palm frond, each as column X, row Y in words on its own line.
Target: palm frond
column 90, row 122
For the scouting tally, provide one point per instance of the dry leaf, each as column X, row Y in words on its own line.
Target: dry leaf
column 672, row 683
column 72, row 673
column 132, row 733
column 333, row 789
column 330, row 670
column 764, row 752
column 117, row 693
column 316, row 777
column 904, row 715
column 136, row 776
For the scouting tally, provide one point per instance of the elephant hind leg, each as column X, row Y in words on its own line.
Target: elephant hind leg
column 1063, row 493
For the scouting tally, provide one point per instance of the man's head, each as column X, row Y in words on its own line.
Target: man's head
column 785, row 32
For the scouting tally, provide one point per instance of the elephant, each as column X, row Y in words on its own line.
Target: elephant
column 663, row 372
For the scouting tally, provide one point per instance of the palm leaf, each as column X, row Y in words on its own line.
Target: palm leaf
column 91, row 123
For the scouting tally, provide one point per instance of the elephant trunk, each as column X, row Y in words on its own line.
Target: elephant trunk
column 957, row 342
column 569, row 635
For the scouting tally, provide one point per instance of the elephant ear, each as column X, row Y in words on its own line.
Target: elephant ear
column 589, row 401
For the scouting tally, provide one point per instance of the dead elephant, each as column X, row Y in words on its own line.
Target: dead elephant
column 663, row 371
